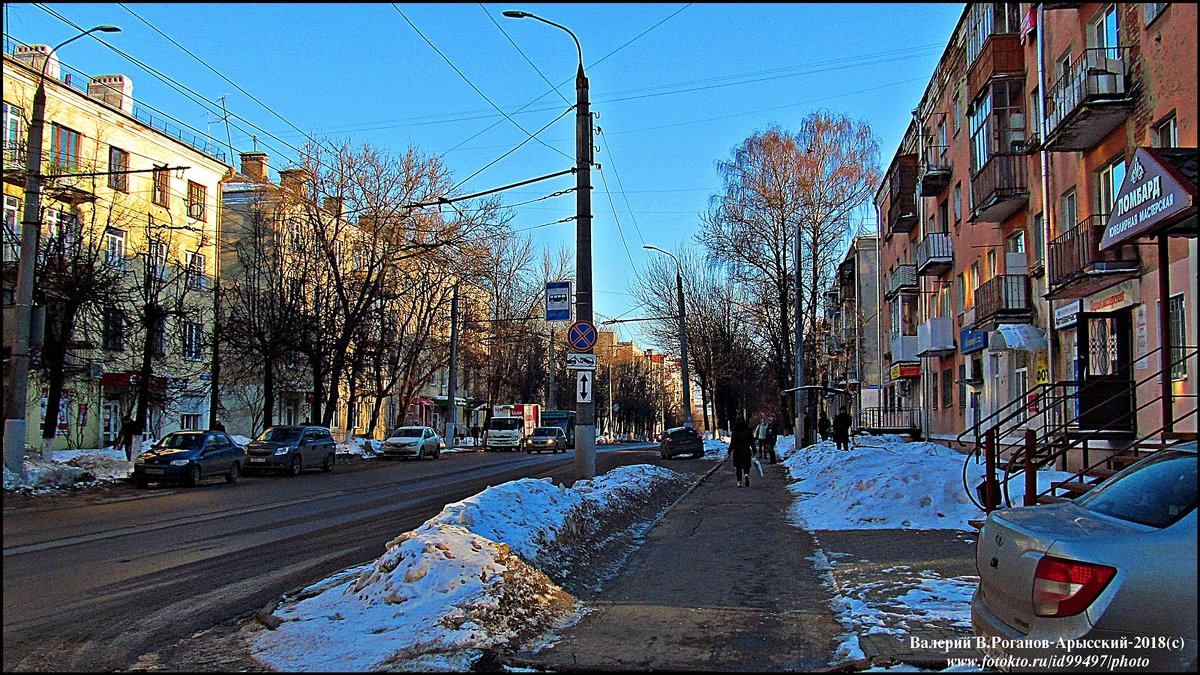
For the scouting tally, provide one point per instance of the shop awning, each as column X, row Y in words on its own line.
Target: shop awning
column 1157, row 197
column 421, row 400
column 1016, row 337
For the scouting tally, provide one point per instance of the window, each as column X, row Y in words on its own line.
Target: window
column 114, row 329
column 1069, row 211
column 957, row 203
column 12, row 228
column 118, row 160
column 958, row 109
column 195, row 271
column 1020, row 383
column 1035, row 113
column 991, row 264
column 974, row 282
column 962, row 385
column 64, row 153
column 14, row 133
column 934, row 390
column 114, row 248
column 156, row 260
column 1165, row 134
column 158, row 337
column 162, row 187
column 1104, row 31
column 1178, row 337
column 997, row 122
column 1153, row 9
column 63, row 228
column 961, row 286
column 193, row 341
column 947, row 387
column 1039, row 233
column 944, row 216
column 189, row 421
column 197, row 200
column 987, row 19
column 1111, row 177
column 1015, row 243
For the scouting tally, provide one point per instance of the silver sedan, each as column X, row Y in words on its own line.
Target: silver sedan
column 1104, row 582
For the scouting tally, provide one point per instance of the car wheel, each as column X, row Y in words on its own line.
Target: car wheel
column 329, row 460
column 194, row 476
column 421, row 453
column 234, row 470
column 297, row 467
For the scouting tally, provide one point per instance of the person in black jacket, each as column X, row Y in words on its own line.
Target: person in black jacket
column 741, row 447
column 823, row 426
column 841, row 429
column 772, row 435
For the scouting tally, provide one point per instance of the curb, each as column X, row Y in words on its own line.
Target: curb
column 651, row 524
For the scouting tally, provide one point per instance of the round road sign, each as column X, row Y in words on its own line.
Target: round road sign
column 581, row 336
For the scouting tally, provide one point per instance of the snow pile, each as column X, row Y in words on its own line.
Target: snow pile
column 884, row 482
column 466, row 580
column 715, row 449
column 464, row 444
column 364, row 447
column 68, row 469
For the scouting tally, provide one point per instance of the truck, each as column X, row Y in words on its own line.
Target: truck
column 563, row 419
column 509, row 426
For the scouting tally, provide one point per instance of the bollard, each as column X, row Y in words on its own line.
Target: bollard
column 1030, row 469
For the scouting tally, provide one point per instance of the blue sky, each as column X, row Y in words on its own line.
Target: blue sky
column 677, row 86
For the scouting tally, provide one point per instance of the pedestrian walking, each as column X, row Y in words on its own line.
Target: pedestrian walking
column 841, row 429
column 760, row 438
column 824, row 425
column 129, row 429
column 772, row 435
column 740, row 447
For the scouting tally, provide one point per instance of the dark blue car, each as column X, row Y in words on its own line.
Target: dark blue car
column 190, row 457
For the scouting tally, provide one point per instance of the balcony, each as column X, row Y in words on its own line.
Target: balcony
column 935, row 255
column 1089, row 101
column 1079, row 268
column 902, row 201
column 935, row 337
column 904, row 349
column 1005, row 298
column 14, row 162
column 1002, row 55
column 903, row 278
column 999, row 188
column 933, row 176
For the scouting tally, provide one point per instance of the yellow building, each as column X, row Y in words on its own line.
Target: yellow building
column 139, row 194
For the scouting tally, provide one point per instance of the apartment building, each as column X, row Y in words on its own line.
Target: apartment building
column 851, row 351
column 132, row 194
column 1006, row 274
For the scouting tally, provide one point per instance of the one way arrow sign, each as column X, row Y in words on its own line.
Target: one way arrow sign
column 583, row 387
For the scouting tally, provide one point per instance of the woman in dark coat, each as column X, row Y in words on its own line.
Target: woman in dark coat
column 841, row 429
column 741, row 446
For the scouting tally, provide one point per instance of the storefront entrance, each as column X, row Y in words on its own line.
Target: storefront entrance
column 1105, row 345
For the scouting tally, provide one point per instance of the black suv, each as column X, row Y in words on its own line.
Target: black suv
column 681, row 441
column 292, row 449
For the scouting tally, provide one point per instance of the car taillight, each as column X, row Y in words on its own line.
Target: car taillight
column 668, row 440
column 1064, row 587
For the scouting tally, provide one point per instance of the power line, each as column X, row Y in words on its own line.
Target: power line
column 522, row 53
column 616, row 174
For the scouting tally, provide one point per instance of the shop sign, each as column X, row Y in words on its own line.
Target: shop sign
column 1118, row 297
column 972, row 341
column 1150, row 195
column 901, row 371
column 1067, row 315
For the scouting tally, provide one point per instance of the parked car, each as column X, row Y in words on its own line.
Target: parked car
column 419, row 442
column 1115, row 567
column 189, row 457
column 680, row 441
column 542, row 439
column 292, row 448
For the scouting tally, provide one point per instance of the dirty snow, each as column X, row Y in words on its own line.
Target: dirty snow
column 467, row 579
column 69, row 469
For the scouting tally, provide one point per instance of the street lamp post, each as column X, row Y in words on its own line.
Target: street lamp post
column 585, row 434
column 683, row 354
column 31, row 228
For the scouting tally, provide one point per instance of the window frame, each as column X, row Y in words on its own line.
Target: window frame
column 160, row 193
column 193, row 341
column 116, row 248
column 156, row 260
column 195, row 274
column 1169, row 123
column 1106, row 180
column 113, row 332
column 14, row 132
column 65, row 158
column 118, row 160
column 197, row 201
column 1177, row 336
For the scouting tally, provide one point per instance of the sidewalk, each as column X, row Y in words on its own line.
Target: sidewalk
column 722, row 582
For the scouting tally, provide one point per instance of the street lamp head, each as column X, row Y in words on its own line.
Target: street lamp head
column 515, row 14
column 108, row 29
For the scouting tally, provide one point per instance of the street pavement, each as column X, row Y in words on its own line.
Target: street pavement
column 723, row 582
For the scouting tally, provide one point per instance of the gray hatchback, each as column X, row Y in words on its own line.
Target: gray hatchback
column 680, row 441
column 292, row 449
column 1104, row 582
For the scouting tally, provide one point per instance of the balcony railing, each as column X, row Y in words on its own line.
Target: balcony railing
column 1001, row 299
column 1002, row 54
column 935, row 254
column 1079, row 268
column 935, row 337
column 904, row 349
column 933, row 176
column 882, row 419
column 1089, row 100
column 904, row 277
column 999, row 188
column 902, row 198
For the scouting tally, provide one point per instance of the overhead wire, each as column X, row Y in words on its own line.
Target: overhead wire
column 616, row 174
column 522, row 53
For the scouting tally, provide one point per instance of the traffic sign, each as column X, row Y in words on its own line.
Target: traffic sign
column 581, row 336
column 576, row 361
column 558, row 300
column 583, row 386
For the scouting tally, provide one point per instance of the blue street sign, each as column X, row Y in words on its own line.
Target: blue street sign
column 581, row 336
column 558, row 301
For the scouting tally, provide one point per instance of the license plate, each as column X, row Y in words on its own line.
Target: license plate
column 258, row 459
column 156, row 471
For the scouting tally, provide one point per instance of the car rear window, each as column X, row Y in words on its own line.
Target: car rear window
column 1156, row 493
column 683, row 433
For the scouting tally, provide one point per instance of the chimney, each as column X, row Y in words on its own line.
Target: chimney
column 115, row 90
column 333, row 205
column 34, row 56
column 254, row 165
column 292, row 180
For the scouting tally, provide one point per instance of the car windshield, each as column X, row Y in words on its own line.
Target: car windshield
column 506, row 423
column 1156, row 493
column 545, row 431
column 280, row 435
column 406, row 432
column 182, row 441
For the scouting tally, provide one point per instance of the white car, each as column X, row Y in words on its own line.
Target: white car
column 414, row 441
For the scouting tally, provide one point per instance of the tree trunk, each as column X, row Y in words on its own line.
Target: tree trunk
column 268, row 393
column 54, row 356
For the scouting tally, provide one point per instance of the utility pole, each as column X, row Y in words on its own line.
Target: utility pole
column 452, row 386
column 801, row 399
column 550, row 403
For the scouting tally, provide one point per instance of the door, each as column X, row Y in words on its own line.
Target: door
column 1106, row 394
column 309, row 449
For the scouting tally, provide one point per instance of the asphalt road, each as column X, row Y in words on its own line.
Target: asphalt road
column 92, row 581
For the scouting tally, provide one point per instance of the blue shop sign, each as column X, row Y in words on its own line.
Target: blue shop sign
column 972, row 340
